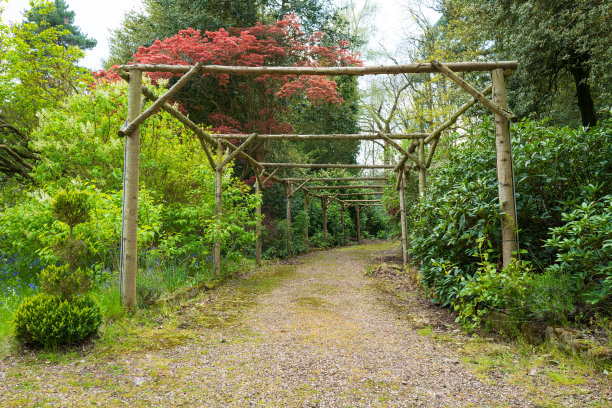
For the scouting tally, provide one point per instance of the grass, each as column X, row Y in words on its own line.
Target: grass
column 156, row 280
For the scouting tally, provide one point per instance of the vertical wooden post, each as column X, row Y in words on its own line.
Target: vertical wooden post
column 505, row 178
column 343, row 233
column 422, row 171
column 358, row 226
column 403, row 215
column 288, row 192
column 324, row 207
column 258, row 222
column 218, row 208
column 306, row 202
column 129, row 228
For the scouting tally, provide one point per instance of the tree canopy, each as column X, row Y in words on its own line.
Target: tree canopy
column 563, row 47
column 36, row 72
column 56, row 14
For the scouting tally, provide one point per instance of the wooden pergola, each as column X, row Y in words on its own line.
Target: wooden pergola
column 226, row 152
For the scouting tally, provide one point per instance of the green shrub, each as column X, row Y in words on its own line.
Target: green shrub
column 548, row 298
column 551, row 167
column 46, row 320
column 584, row 249
column 63, row 282
column 71, row 207
column 492, row 290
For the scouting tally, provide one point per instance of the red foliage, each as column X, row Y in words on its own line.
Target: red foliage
column 242, row 104
column 280, row 44
column 251, row 182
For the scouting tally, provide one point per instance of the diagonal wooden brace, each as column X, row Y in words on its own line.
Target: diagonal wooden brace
column 291, row 193
column 270, row 175
column 238, row 150
column 473, row 91
column 159, row 103
column 202, row 136
column 403, row 151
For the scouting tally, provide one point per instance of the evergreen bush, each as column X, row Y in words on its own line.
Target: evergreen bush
column 48, row 321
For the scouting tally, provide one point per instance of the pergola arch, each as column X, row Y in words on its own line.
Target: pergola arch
column 226, row 151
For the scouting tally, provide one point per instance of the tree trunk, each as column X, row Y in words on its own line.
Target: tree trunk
column 218, row 209
column 403, row 216
column 258, row 225
column 358, row 225
column 289, row 249
column 324, row 208
column 505, row 178
column 129, row 229
column 583, row 92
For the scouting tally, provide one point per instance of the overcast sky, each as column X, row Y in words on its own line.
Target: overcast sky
column 96, row 18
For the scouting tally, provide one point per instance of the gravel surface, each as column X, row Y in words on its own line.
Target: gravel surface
column 321, row 337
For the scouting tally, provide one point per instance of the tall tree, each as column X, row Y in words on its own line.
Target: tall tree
column 36, row 72
column 159, row 19
column 239, row 104
column 57, row 15
column 559, row 44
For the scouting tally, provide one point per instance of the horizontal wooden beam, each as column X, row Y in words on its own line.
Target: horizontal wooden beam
column 338, row 179
column 368, row 193
column 362, row 201
column 418, row 68
column 343, row 187
column 327, row 166
column 348, row 136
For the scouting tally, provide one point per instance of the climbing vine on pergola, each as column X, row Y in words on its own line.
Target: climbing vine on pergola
column 264, row 172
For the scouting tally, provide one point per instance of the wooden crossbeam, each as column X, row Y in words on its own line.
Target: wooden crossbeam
column 369, row 193
column 362, row 201
column 337, row 179
column 344, row 187
column 327, row 166
column 350, row 136
column 417, row 68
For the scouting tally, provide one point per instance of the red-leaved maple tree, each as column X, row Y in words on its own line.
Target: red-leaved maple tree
column 245, row 104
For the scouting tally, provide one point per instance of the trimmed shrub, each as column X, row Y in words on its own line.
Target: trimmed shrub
column 63, row 282
column 48, row 321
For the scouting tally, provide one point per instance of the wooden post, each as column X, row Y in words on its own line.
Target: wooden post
column 324, row 207
column 258, row 222
column 129, row 228
column 358, row 226
column 422, row 170
column 218, row 208
column 306, row 202
column 343, row 233
column 289, row 217
column 403, row 216
column 505, row 178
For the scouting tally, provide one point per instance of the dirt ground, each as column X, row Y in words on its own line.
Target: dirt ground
column 314, row 332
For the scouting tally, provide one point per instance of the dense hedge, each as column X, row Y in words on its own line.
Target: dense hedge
column 455, row 231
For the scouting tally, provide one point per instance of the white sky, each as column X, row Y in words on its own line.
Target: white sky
column 97, row 18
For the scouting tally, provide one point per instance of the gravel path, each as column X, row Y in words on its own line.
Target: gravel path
column 320, row 338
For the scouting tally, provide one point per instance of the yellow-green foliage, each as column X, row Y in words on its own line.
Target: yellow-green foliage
column 71, row 207
column 63, row 282
column 46, row 320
